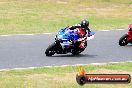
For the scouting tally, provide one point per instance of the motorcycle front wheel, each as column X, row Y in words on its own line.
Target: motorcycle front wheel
column 50, row 50
column 123, row 40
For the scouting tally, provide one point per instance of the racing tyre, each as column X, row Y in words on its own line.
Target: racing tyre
column 123, row 40
column 75, row 52
column 50, row 50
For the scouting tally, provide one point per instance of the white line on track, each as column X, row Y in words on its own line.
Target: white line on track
column 104, row 30
column 25, row 34
column 129, row 61
column 4, row 35
column 48, row 33
column 98, row 63
column 121, row 29
column 8, row 69
column 114, row 62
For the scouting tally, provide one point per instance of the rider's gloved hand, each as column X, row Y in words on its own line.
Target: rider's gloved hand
column 88, row 35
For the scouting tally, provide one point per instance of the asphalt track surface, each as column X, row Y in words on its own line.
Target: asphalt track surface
column 21, row 51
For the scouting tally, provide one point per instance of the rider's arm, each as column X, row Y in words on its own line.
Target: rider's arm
column 82, row 39
column 74, row 27
column 88, row 30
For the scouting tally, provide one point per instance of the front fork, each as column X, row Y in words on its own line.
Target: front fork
column 58, row 47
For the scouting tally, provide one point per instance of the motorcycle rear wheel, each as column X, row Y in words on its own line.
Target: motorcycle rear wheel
column 75, row 52
column 78, row 50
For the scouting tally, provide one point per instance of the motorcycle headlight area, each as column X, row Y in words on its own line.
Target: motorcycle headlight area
column 60, row 36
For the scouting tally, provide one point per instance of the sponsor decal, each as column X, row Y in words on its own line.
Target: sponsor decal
column 83, row 78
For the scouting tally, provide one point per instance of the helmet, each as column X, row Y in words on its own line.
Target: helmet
column 130, row 27
column 84, row 23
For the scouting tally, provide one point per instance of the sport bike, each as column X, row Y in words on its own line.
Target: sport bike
column 126, row 38
column 66, row 41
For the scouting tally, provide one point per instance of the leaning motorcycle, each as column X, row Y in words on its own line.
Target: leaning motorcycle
column 66, row 41
column 126, row 38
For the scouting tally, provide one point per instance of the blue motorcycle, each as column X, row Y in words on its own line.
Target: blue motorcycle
column 66, row 42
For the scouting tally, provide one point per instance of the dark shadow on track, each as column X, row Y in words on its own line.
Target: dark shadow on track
column 129, row 45
column 70, row 55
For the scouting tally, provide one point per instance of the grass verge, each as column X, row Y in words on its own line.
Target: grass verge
column 39, row 16
column 60, row 77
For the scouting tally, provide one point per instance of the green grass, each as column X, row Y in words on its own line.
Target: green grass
column 39, row 16
column 60, row 77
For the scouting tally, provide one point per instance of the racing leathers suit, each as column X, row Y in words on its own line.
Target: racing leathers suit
column 82, row 32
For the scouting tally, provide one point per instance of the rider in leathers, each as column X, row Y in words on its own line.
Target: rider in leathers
column 81, row 29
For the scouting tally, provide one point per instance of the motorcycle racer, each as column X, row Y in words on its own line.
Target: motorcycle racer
column 126, row 38
column 71, row 39
column 81, row 29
